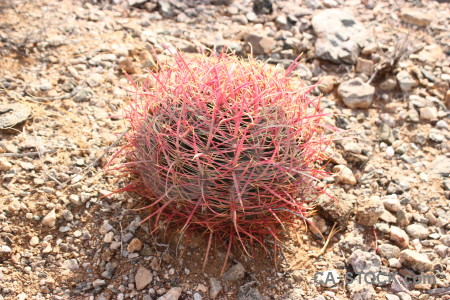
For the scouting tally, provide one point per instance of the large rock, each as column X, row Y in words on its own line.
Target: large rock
column 340, row 37
column 355, row 93
column 415, row 17
column 440, row 165
column 143, row 278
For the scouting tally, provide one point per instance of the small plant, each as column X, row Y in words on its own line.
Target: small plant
column 228, row 147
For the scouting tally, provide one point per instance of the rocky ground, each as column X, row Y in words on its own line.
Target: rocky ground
column 384, row 68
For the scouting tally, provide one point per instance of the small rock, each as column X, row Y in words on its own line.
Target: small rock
column 34, row 241
column 248, row 292
column 173, row 294
column 360, row 290
column 364, row 66
column 418, row 231
column 127, row 66
column 327, row 84
column 50, row 219
column 328, row 278
column 388, row 84
column 143, row 277
column 197, row 296
column 405, row 81
column 135, row 245
column 71, row 264
column 428, row 113
column 82, row 95
column 12, row 115
column 391, row 202
column 108, row 238
column 362, row 261
column 235, row 273
column 415, row 17
column 369, row 211
column 388, row 251
column 216, row 287
column 260, row 44
column 440, row 165
column 431, row 54
column 344, row 175
column 5, row 165
column 356, row 94
column 416, row 261
column 263, row 7
column 399, row 236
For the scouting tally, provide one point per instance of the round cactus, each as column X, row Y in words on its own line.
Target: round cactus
column 226, row 146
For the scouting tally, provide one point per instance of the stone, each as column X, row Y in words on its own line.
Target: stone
column 127, row 66
column 340, row 37
column 215, row 287
column 135, row 245
column 447, row 99
column 173, row 294
column 440, row 166
column 360, row 290
column 416, row 261
column 328, row 278
column 388, row 251
column 335, row 210
column 263, row 7
column 12, row 115
column 71, row 264
column 50, row 219
column 388, row 84
column 364, row 66
column 418, row 231
column 143, row 278
column 248, row 292
column 399, row 237
column 415, row 17
column 34, row 241
column 260, row 44
column 197, row 296
column 235, row 273
column 327, row 84
column 82, row 94
column 355, row 93
column 385, row 134
column 344, row 175
column 431, row 54
column 428, row 113
column 405, row 81
column 5, row 165
column 362, row 261
column 369, row 210
column 391, row 202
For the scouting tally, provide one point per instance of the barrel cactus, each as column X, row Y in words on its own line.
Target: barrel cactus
column 230, row 147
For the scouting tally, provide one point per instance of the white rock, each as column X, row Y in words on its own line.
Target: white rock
column 173, row 294
column 405, row 81
column 399, row 236
column 344, row 175
column 416, row 261
column 50, row 219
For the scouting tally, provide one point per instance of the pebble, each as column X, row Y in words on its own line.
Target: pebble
column 388, row 251
column 391, row 202
column 12, row 115
column 362, row 261
column 135, row 245
column 344, row 175
column 235, row 273
column 143, row 278
column 428, row 113
column 50, row 219
column 215, row 287
column 355, row 93
column 405, row 81
column 415, row 17
column 173, row 294
column 34, row 241
column 71, row 264
column 418, row 231
column 416, row 261
column 360, row 290
column 260, row 44
column 369, row 210
column 399, row 236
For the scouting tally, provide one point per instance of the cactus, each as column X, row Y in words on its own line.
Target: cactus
column 229, row 147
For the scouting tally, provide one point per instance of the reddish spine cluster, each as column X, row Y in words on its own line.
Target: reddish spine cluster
column 226, row 146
